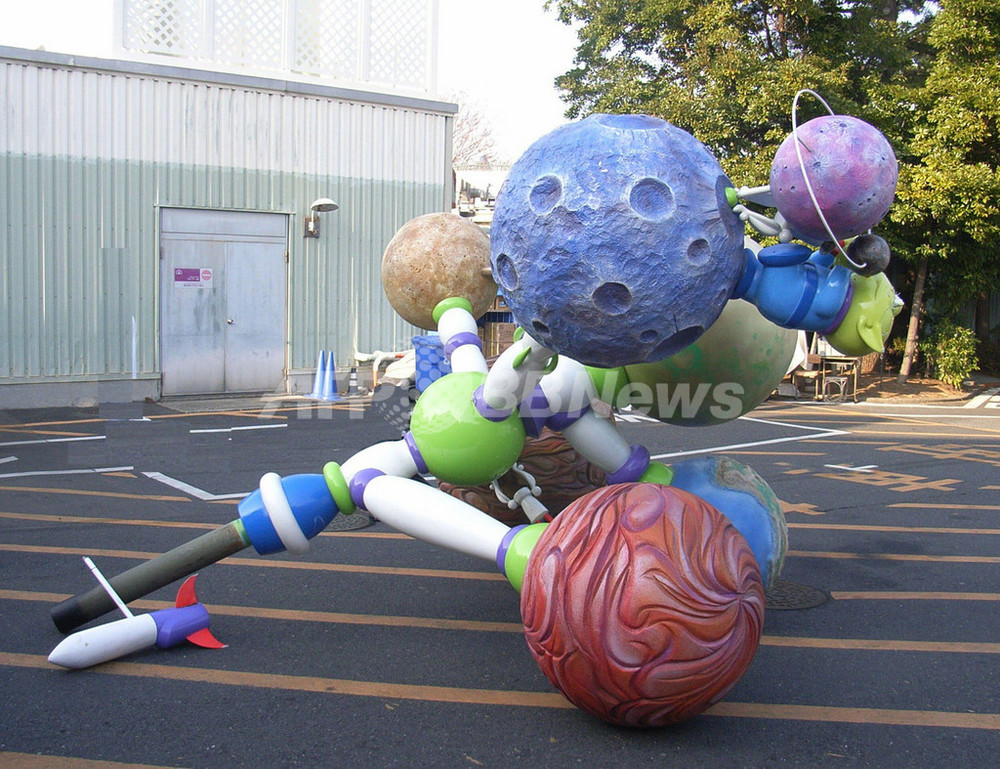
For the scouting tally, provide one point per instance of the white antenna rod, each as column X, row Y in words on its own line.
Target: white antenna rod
column 107, row 586
column 805, row 176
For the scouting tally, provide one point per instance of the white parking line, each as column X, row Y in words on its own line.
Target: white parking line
column 55, row 440
column 194, row 491
column 68, row 472
column 779, row 424
column 628, row 416
column 933, row 416
column 733, row 446
column 235, row 429
column 4, row 460
column 862, row 469
column 987, row 398
column 814, row 433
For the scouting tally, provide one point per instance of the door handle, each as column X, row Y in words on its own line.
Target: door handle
column 229, row 321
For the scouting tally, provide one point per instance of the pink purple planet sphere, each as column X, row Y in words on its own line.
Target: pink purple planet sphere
column 852, row 170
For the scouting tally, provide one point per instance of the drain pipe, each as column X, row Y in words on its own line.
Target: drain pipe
column 377, row 358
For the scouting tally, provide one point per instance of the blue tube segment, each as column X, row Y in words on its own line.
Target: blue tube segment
column 795, row 288
column 312, row 506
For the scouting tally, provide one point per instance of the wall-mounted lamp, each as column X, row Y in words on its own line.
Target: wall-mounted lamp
column 312, row 221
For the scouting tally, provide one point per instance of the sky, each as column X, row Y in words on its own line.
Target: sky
column 504, row 54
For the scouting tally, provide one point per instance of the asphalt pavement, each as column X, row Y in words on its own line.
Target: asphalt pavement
column 374, row 649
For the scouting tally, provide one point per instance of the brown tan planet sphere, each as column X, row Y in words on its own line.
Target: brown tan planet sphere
column 434, row 257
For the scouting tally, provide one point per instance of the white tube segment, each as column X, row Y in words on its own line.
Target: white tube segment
column 430, row 515
column 507, row 386
column 455, row 321
column 468, row 357
column 597, row 440
column 569, row 387
column 391, row 457
column 279, row 512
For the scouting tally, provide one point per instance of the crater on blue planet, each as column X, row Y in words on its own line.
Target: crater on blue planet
column 545, row 194
column 612, row 298
column 652, row 199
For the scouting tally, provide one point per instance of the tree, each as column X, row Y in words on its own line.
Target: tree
column 924, row 73
column 950, row 193
column 472, row 137
column 727, row 70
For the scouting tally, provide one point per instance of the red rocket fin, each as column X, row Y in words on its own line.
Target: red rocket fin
column 205, row 638
column 186, row 596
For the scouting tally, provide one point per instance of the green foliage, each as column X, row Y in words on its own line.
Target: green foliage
column 896, row 346
column 927, row 74
column 951, row 353
column 727, row 70
column 949, row 192
column 894, row 350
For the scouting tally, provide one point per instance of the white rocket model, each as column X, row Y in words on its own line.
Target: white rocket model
column 188, row 620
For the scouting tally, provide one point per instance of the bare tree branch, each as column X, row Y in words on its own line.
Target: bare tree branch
column 472, row 143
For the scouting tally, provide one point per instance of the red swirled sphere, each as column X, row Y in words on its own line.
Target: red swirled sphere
column 642, row 604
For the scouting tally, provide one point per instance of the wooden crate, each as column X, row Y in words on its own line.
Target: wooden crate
column 497, row 337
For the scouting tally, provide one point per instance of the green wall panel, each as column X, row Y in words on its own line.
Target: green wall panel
column 79, row 258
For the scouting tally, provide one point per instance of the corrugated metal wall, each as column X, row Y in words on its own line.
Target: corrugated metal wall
column 966, row 316
column 88, row 156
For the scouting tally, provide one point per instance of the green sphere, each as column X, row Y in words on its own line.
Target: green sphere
column 730, row 370
column 459, row 445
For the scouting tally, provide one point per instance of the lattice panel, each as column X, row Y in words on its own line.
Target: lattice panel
column 398, row 42
column 352, row 41
column 168, row 26
column 328, row 38
column 249, row 33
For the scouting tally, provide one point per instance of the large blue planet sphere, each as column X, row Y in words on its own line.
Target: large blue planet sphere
column 613, row 242
column 746, row 500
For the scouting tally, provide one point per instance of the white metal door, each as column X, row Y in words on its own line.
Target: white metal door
column 222, row 301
